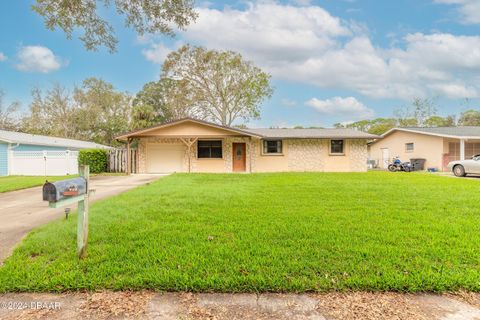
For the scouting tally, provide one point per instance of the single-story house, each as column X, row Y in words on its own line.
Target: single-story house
column 438, row 145
column 36, row 155
column 190, row 145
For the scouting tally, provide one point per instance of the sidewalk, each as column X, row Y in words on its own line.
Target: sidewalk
column 149, row 305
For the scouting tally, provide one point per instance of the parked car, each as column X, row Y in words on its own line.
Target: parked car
column 461, row 168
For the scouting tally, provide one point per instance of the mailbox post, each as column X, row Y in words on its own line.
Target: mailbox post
column 82, row 223
column 65, row 192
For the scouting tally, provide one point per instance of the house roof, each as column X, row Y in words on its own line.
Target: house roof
column 466, row 132
column 266, row 133
column 33, row 139
column 329, row 133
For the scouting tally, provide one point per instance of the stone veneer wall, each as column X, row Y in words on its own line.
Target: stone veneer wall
column 306, row 154
column 302, row 155
column 358, row 154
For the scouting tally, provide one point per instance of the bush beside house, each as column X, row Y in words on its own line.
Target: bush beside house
column 97, row 159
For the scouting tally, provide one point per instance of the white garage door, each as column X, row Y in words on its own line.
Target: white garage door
column 163, row 158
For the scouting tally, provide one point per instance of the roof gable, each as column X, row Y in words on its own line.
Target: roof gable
column 187, row 127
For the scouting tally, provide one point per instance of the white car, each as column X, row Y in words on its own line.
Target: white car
column 461, row 168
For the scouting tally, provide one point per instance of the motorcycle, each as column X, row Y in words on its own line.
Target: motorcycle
column 398, row 165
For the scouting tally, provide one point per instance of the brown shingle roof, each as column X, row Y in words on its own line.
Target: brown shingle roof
column 329, row 133
column 270, row 133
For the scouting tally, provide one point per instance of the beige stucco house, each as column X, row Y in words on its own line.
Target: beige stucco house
column 190, row 145
column 438, row 146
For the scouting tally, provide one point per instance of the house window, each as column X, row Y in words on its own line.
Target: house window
column 272, row 146
column 209, row 149
column 336, row 146
column 409, row 147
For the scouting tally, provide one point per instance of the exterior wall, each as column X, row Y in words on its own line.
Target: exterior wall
column 312, row 155
column 427, row 147
column 298, row 155
column 3, row 159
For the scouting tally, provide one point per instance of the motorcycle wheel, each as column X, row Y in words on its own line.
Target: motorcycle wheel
column 392, row 168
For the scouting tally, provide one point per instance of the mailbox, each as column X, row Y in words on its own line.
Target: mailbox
column 64, row 189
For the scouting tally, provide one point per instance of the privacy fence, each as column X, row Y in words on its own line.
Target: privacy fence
column 117, row 160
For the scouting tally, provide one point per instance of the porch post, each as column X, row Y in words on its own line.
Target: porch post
column 462, row 149
column 128, row 156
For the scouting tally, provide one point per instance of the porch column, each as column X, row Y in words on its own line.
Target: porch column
column 128, row 156
column 462, row 149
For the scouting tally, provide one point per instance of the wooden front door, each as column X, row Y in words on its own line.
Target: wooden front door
column 239, row 157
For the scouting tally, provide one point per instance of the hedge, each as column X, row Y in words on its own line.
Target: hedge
column 97, row 159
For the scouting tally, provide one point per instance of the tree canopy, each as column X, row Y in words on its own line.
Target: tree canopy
column 219, row 86
column 144, row 16
column 94, row 111
column 421, row 113
column 469, row 118
column 8, row 114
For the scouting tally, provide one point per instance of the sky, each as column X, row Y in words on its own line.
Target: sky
column 330, row 60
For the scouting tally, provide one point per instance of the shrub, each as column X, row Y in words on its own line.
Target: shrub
column 97, row 159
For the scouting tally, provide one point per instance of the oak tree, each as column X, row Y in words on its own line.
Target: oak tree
column 144, row 16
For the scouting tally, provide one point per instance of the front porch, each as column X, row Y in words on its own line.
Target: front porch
column 459, row 149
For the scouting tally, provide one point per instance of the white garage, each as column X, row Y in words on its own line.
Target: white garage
column 165, row 158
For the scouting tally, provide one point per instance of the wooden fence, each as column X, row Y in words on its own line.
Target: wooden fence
column 117, row 160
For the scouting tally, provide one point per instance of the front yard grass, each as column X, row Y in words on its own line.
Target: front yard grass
column 266, row 232
column 12, row 183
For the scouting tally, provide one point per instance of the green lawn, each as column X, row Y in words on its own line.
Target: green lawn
column 266, row 232
column 11, row 183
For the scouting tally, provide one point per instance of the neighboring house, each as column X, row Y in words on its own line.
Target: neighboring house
column 190, row 145
column 28, row 154
column 437, row 145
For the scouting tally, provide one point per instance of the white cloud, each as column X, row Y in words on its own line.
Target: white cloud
column 268, row 32
column 303, row 2
column 288, row 102
column 341, row 106
column 309, row 45
column 157, row 53
column 469, row 9
column 37, row 59
column 3, row 57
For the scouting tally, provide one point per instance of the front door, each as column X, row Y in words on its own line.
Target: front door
column 239, row 157
column 385, row 158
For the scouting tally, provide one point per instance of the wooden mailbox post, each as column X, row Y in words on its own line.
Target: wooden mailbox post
column 65, row 192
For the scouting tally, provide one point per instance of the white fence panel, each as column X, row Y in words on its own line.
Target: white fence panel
column 44, row 163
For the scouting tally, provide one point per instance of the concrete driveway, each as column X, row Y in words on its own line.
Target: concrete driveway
column 23, row 210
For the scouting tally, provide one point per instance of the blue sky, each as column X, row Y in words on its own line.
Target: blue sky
column 330, row 60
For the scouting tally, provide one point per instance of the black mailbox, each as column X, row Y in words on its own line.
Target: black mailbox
column 56, row 191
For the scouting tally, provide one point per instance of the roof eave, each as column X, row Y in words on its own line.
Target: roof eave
column 428, row 134
column 327, row 137
column 7, row 141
